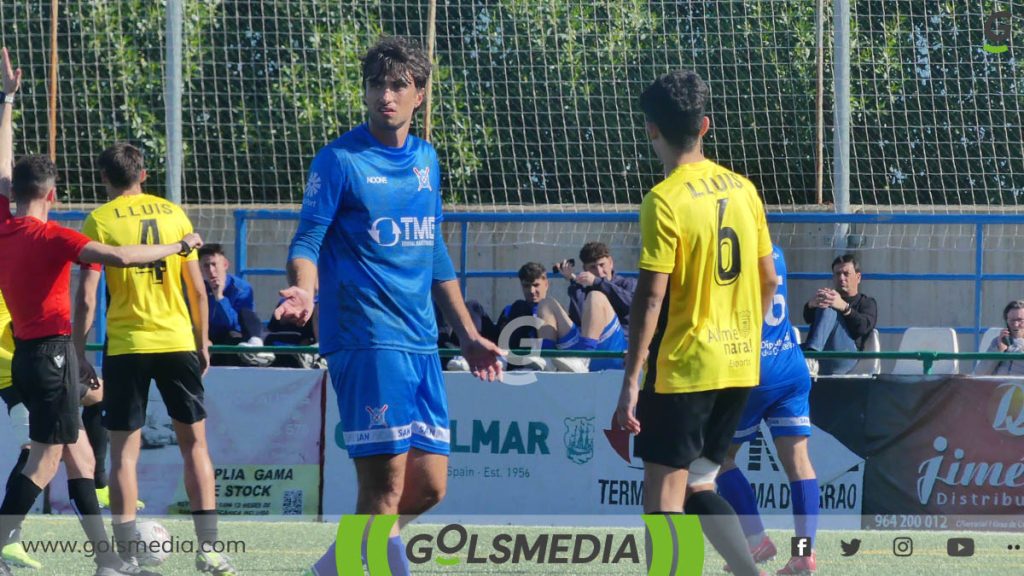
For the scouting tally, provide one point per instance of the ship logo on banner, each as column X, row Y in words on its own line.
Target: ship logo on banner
column 579, row 439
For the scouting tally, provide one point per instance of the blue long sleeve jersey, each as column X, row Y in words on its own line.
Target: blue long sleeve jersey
column 378, row 212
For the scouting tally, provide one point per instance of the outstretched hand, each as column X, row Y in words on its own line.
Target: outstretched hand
column 296, row 308
column 482, row 356
column 11, row 76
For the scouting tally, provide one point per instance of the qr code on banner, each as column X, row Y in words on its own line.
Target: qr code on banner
column 292, row 503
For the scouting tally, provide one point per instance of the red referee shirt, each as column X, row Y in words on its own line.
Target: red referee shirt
column 35, row 273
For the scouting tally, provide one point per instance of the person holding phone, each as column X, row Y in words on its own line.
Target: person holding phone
column 1011, row 339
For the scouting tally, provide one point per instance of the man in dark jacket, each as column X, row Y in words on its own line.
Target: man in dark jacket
column 841, row 318
column 599, row 300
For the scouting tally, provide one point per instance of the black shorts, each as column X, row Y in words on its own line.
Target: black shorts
column 126, row 379
column 45, row 373
column 676, row 429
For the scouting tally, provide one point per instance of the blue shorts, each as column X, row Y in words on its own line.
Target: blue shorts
column 786, row 408
column 390, row 401
column 612, row 338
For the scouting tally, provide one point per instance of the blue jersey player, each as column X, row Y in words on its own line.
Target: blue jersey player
column 782, row 401
column 370, row 232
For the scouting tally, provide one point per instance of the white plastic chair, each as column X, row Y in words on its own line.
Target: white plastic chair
column 869, row 365
column 932, row 339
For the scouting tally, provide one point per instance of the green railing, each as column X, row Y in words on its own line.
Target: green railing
column 927, row 358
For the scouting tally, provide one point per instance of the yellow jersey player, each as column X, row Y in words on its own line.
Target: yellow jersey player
column 151, row 335
column 706, row 280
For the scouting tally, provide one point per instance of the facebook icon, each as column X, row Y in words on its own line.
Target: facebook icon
column 801, row 546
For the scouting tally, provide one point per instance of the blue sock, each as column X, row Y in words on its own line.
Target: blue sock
column 397, row 560
column 735, row 488
column 805, row 494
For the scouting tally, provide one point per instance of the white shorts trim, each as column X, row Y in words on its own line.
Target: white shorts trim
column 435, row 433
column 790, row 421
column 376, row 435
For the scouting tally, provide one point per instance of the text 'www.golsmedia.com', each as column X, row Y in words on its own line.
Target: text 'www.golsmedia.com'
column 131, row 548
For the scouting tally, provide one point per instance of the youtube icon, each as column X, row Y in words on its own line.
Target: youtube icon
column 960, row 547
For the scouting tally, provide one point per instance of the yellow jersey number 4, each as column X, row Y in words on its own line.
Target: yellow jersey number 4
column 151, row 235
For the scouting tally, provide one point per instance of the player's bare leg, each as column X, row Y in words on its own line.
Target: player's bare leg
column 556, row 320
column 199, row 480
column 664, row 492
column 597, row 313
column 124, row 460
column 43, row 461
column 426, row 481
column 796, row 459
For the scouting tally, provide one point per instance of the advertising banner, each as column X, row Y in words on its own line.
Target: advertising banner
column 263, row 428
column 945, row 453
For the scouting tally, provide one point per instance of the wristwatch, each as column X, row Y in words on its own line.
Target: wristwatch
column 7, row 98
column 185, row 248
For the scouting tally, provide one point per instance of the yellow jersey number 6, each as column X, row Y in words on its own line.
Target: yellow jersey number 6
column 728, row 260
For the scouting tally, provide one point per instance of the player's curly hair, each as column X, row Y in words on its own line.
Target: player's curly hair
column 675, row 103
column 122, row 164
column 32, row 178
column 593, row 251
column 395, row 56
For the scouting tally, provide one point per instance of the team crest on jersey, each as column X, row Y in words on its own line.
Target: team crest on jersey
column 377, row 416
column 312, row 189
column 59, row 360
column 423, row 176
column 579, row 439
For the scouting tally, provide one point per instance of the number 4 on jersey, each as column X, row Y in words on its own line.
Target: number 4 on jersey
column 151, row 235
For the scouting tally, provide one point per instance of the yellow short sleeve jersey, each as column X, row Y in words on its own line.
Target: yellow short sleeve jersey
column 6, row 344
column 705, row 226
column 147, row 311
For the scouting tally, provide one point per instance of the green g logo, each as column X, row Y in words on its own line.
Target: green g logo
column 997, row 32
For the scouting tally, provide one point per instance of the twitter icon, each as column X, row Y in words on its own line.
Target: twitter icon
column 850, row 548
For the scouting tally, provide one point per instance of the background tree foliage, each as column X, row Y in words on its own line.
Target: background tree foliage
column 535, row 101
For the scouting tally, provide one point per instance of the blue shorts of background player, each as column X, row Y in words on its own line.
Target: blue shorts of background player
column 612, row 338
column 390, row 401
column 785, row 407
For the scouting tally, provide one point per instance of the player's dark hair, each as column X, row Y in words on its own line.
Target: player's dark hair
column 531, row 272
column 122, row 164
column 846, row 259
column 32, row 178
column 675, row 103
column 396, row 57
column 1013, row 305
column 593, row 251
column 211, row 250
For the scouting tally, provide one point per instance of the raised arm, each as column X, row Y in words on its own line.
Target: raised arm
column 11, row 83
column 125, row 256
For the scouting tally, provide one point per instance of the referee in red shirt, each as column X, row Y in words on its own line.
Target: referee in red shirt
column 35, row 278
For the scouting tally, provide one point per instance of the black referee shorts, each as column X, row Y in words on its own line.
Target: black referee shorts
column 45, row 373
column 126, row 379
column 676, row 429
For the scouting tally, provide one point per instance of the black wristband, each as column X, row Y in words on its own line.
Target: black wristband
column 185, row 248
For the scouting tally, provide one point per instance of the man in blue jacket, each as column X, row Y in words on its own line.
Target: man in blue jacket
column 233, row 319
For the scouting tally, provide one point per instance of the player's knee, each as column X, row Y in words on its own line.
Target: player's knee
column 380, row 499
column 595, row 299
column 702, row 472
column 432, row 495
